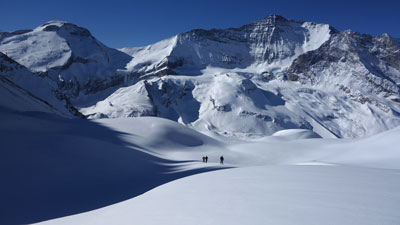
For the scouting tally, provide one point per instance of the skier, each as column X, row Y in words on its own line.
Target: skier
column 206, row 159
column 221, row 159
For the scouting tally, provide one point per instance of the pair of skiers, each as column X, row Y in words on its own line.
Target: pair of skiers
column 221, row 159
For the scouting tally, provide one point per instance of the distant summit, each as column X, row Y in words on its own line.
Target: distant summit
column 62, row 26
column 274, row 18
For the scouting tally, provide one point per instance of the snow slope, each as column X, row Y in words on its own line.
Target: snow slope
column 169, row 139
column 53, row 167
column 21, row 87
column 19, row 99
column 284, row 195
column 294, row 134
column 301, row 181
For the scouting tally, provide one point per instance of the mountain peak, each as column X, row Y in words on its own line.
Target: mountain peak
column 56, row 25
column 385, row 36
column 55, row 22
column 274, row 19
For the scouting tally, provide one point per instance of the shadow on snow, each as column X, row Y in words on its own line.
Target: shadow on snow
column 53, row 167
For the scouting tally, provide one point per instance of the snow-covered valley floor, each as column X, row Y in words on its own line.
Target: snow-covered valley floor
column 282, row 195
column 149, row 171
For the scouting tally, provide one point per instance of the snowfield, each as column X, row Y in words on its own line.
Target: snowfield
column 135, row 170
column 284, row 195
column 292, row 177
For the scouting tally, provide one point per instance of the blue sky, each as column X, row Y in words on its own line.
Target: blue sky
column 123, row 23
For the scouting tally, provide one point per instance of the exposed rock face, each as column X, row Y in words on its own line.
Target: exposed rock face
column 352, row 61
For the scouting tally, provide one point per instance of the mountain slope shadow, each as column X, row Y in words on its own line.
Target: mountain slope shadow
column 53, row 167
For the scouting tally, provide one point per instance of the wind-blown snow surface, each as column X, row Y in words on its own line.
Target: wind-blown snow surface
column 282, row 179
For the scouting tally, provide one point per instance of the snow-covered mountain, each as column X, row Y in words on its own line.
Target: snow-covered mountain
column 254, row 80
column 370, row 63
column 24, row 91
column 67, row 54
column 245, row 82
column 271, row 43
